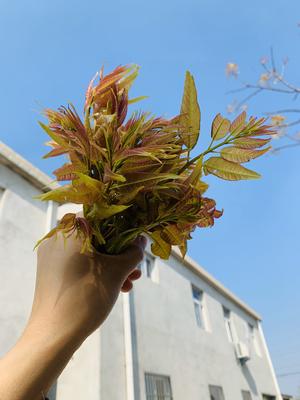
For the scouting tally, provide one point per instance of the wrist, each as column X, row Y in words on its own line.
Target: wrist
column 36, row 360
column 46, row 334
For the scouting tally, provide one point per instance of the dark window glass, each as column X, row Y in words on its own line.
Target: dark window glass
column 158, row 387
column 246, row 395
column 216, row 393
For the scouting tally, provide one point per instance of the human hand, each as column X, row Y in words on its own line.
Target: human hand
column 75, row 292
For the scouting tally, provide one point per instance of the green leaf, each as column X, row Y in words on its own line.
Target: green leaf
column 47, row 236
column 202, row 186
column 136, row 99
column 250, row 143
column 194, row 177
column 220, row 127
column 101, row 210
column 238, row 155
column 228, row 170
column 91, row 183
column 238, row 124
column 160, row 247
column 190, row 112
column 65, row 194
column 183, row 248
column 53, row 135
column 157, row 177
column 129, row 195
column 109, row 175
column 172, row 235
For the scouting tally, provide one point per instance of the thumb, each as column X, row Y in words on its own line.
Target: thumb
column 133, row 255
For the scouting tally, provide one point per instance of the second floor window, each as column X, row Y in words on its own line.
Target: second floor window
column 148, row 268
column 253, row 340
column 228, row 324
column 158, row 387
column 199, row 306
column 1, row 192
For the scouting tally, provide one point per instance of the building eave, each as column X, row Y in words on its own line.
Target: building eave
column 28, row 171
column 204, row 275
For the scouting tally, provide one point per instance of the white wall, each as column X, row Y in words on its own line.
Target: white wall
column 170, row 343
column 22, row 223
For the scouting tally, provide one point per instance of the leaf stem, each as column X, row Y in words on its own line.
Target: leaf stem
column 209, row 150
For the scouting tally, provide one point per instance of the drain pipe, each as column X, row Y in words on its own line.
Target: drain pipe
column 128, row 347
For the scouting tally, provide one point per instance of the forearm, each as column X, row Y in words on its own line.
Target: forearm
column 34, row 363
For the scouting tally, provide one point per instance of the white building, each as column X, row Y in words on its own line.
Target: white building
column 180, row 334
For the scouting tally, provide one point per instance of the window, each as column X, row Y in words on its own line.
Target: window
column 148, row 268
column 228, row 324
column 253, row 340
column 216, row 393
column 158, row 387
column 199, row 307
column 268, row 397
column 2, row 190
column 246, row 395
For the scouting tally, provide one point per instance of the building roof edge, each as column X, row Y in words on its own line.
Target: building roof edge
column 28, row 171
column 203, row 274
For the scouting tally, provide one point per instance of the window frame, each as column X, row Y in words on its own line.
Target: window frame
column 2, row 191
column 253, row 339
column 151, row 381
column 2, row 194
column 229, row 325
column 220, row 395
column 149, row 268
column 200, row 305
column 248, row 395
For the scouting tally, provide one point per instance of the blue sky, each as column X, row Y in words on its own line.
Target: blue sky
column 49, row 52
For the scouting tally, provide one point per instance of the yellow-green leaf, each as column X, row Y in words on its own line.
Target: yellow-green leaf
column 238, row 124
column 91, row 183
column 66, row 194
column 109, row 175
column 183, row 248
column 136, row 99
column 129, row 195
column 172, row 235
column 238, row 155
column 220, row 127
column 201, row 186
column 250, row 143
column 98, row 234
column 190, row 112
column 102, row 210
column 194, row 177
column 53, row 135
column 228, row 170
column 159, row 247
column 47, row 236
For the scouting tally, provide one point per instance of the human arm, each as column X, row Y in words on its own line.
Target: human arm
column 74, row 294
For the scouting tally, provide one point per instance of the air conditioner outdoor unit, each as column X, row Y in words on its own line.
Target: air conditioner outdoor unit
column 242, row 351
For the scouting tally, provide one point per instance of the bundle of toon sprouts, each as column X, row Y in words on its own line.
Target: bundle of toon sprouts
column 135, row 175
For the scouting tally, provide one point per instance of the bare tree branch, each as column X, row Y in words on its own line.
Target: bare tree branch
column 268, row 82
